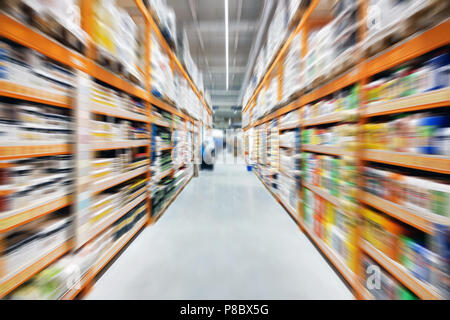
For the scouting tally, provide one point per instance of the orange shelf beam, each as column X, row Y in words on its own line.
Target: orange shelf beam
column 87, row 279
column 332, row 150
column 30, row 151
column 422, row 221
column 26, row 36
column 429, row 100
column 325, row 119
column 281, row 52
column 440, row 164
column 103, row 184
column 22, row 276
column 410, row 48
column 111, row 145
column 33, row 212
column 17, row 91
column 421, row 289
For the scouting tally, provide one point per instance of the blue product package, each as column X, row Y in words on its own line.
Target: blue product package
column 428, row 127
column 440, row 65
column 422, row 262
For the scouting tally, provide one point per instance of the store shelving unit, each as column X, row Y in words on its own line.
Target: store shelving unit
column 421, row 289
column 24, row 35
column 15, row 280
column 365, row 67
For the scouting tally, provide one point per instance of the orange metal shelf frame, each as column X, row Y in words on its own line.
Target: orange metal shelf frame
column 108, row 256
column 17, row 91
column 421, row 289
column 337, row 262
column 33, row 212
column 34, row 39
column 413, row 47
column 20, row 277
column 415, row 218
column 407, row 50
column 26, row 36
column 171, row 54
column 410, row 48
column 280, row 54
column 440, row 164
column 30, row 151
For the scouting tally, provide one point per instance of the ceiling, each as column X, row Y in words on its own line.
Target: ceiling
column 204, row 23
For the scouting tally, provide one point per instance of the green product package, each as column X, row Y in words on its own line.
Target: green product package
column 406, row 256
column 405, row 294
column 440, row 202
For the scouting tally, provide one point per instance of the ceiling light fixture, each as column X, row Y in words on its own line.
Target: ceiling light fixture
column 226, row 38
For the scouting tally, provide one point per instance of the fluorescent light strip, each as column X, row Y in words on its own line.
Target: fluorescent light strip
column 226, row 37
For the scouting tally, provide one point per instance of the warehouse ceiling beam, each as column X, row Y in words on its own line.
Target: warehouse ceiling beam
column 216, row 26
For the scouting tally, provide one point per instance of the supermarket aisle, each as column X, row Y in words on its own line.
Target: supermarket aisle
column 225, row 237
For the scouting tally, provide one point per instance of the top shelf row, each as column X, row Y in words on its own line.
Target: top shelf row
column 30, row 37
column 355, row 64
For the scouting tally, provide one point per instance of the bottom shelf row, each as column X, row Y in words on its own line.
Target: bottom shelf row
column 67, row 269
column 370, row 272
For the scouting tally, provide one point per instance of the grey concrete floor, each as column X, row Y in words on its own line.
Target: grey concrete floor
column 224, row 237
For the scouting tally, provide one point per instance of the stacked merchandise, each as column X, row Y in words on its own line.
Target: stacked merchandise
column 399, row 19
column 25, row 67
column 290, row 120
column 336, row 175
column 425, row 74
column 102, row 96
column 343, row 135
column 67, row 273
column 115, row 34
column 277, row 31
column 178, row 123
column 245, row 119
column 188, row 155
column 420, row 133
column 292, row 75
column 28, row 183
column 333, row 47
column 344, row 102
column 428, row 195
column 109, row 204
column 180, row 147
column 162, row 165
column 165, row 16
column 106, row 129
column 110, row 164
column 60, row 19
column 284, row 14
column 160, row 193
column 162, row 138
column 253, row 146
column 385, row 287
column 161, row 117
column 163, row 79
column 334, row 226
column 289, row 168
column 274, row 147
column 27, row 244
column 410, row 248
column 25, row 124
